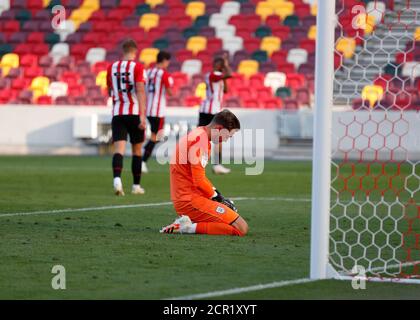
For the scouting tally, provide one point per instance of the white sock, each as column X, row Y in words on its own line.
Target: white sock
column 117, row 181
column 190, row 228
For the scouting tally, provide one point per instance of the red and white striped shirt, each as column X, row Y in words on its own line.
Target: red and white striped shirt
column 122, row 77
column 214, row 93
column 158, row 80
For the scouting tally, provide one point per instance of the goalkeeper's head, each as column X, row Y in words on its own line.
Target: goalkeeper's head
column 223, row 126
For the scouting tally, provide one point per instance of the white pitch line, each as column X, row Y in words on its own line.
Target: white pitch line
column 72, row 210
column 277, row 284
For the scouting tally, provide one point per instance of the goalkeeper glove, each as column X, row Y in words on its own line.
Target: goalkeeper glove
column 227, row 202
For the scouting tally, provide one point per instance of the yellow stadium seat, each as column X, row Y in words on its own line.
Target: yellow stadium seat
column 248, row 67
column 39, row 86
column 196, row 44
column 346, row 46
column 45, row 3
column 92, row 5
column 372, row 93
column 148, row 55
column 9, row 61
column 284, row 9
column 195, row 9
column 314, row 9
column 79, row 16
column 312, row 33
column 264, row 9
column 154, row 3
column 149, row 21
column 101, row 79
column 200, row 91
column 270, row 44
column 417, row 34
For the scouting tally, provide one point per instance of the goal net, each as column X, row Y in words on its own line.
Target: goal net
column 374, row 200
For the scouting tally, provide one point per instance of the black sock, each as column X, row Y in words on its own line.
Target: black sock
column 136, row 169
column 148, row 149
column 117, row 164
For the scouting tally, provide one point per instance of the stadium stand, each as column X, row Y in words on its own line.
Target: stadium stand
column 271, row 47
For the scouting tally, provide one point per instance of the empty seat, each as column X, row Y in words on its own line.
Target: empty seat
column 149, row 21
column 66, row 28
column 191, row 67
column 39, row 86
column 9, row 61
column 230, row 8
column 196, row 44
column 101, row 80
column 376, row 9
column 148, row 55
column 80, row 16
column 312, row 33
column 284, row 9
column 346, row 46
column 275, row 80
column 154, row 3
column 270, row 45
column 411, row 69
column 57, row 89
column 297, row 57
column 225, row 32
column 264, row 9
column 4, row 5
column 200, row 90
column 95, row 55
column 248, row 67
column 372, row 94
column 217, row 20
column 233, row 44
column 195, row 9
column 58, row 51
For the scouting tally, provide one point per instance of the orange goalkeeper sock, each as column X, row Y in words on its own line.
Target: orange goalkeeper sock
column 217, row 228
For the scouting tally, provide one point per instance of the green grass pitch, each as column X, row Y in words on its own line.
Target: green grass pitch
column 119, row 254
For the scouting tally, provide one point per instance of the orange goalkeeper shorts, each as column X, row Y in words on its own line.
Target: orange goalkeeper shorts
column 201, row 209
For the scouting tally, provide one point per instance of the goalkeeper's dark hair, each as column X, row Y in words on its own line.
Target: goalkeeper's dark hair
column 226, row 119
column 162, row 56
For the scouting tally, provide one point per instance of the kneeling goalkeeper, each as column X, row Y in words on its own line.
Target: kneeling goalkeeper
column 201, row 207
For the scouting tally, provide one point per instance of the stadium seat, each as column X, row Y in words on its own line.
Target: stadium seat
column 4, row 6
column 196, row 44
column 291, row 21
column 148, row 55
column 347, row 46
column 217, row 20
column 57, row 89
column 297, row 56
column 275, row 80
column 312, row 33
column 149, row 21
column 233, row 44
column 80, row 16
column 154, row 3
column 225, row 32
column 283, row 9
column 264, row 9
column 283, row 92
column 372, row 94
column 411, row 70
column 58, row 51
column 270, row 45
column 101, row 80
column 9, row 61
column 195, row 9
column 248, row 67
column 191, row 67
column 44, row 100
column 95, row 55
column 39, row 86
column 200, row 90
column 230, row 8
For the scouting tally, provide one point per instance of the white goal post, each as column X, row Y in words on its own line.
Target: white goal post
column 365, row 179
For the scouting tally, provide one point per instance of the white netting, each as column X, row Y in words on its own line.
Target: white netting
column 375, row 187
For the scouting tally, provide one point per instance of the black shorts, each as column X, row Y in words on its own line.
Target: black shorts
column 156, row 124
column 127, row 124
column 204, row 119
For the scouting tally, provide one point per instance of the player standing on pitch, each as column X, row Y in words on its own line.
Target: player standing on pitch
column 125, row 80
column 201, row 207
column 216, row 86
column 159, row 82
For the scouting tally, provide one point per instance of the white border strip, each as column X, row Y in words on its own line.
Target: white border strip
column 257, row 287
column 129, row 206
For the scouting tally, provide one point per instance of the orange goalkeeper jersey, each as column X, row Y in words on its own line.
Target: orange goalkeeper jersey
column 187, row 167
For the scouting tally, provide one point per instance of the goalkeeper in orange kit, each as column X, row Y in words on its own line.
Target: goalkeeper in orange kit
column 201, row 207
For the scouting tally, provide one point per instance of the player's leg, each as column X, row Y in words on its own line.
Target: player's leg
column 136, row 140
column 156, row 126
column 205, row 216
column 119, row 137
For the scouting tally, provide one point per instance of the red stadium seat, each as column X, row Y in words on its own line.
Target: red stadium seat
column 44, row 100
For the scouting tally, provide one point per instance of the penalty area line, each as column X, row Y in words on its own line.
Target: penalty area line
column 141, row 205
column 258, row 287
